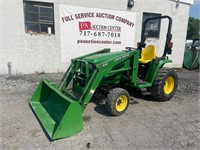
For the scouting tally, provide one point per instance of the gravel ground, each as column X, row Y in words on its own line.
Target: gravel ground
column 147, row 124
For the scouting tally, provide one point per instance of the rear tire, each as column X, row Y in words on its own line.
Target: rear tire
column 117, row 101
column 165, row 84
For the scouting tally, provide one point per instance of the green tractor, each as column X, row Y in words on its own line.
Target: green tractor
column 59, row 108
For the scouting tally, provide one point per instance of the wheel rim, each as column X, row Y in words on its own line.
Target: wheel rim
column 121, row 103
column 169, row 85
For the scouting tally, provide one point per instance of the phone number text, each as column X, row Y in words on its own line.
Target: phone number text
column 100, row 34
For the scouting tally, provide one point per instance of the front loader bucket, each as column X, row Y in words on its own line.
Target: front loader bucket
column 59, row 115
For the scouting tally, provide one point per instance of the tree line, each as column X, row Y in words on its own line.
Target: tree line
column 193, row 28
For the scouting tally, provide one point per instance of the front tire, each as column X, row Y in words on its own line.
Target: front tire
column 117, row 101
column 165, row 84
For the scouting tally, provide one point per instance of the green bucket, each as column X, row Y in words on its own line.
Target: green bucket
column 187, row 61
column 59, row 115
column 191, row 59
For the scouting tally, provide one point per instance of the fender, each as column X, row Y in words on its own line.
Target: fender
column 155, row 65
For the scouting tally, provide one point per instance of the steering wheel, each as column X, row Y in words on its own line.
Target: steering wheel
column 129, row 48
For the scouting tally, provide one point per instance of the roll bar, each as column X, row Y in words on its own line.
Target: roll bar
column 167, row 50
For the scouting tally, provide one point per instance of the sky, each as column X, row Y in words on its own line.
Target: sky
column 195, row 9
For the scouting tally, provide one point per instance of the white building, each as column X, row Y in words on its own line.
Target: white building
column 29, row 44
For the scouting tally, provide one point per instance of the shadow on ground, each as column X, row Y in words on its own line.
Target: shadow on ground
column 100, row 100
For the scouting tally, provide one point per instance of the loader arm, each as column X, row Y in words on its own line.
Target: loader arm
column 87, row 79
column 68, row 74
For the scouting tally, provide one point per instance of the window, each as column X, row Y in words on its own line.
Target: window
column 153, row 26
column 39, row 17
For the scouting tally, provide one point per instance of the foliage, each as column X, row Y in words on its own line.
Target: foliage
column 193, row 28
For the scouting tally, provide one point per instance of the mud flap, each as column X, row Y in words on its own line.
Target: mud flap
column 59, row 115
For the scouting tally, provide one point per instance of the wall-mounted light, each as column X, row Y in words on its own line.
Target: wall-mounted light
column 177, row 3
column 130, row 3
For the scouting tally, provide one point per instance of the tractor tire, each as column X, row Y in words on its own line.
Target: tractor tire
column 165, row 84
column 117, row 101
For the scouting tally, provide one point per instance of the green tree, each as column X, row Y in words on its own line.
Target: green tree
column 193, row 28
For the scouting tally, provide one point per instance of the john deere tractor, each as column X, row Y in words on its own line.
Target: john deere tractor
column 59, row 108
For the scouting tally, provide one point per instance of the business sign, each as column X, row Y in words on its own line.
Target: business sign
column 85, row 30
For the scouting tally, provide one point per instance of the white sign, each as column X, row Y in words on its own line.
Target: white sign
column 85, row 30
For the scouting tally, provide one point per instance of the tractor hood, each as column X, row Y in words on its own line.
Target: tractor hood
column 103, row 57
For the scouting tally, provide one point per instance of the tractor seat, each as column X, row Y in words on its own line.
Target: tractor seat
column 147, row 54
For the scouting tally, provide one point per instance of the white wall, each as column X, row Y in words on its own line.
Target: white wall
column 37, row 53
column 179, row 26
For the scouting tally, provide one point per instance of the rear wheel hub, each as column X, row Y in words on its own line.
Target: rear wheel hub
column 169, row 85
